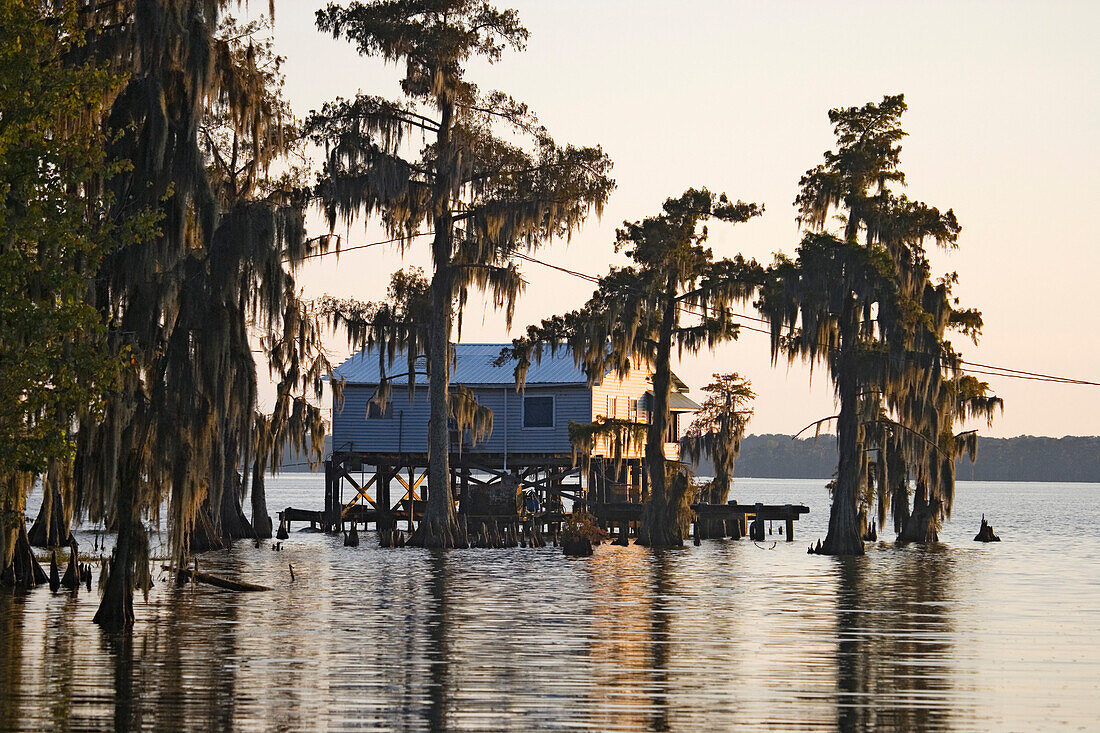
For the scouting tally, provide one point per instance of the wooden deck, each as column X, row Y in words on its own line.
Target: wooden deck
column 619, row 512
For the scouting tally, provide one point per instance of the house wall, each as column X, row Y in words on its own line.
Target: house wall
column 616, row 397
column 406, row 427
column 621, row 398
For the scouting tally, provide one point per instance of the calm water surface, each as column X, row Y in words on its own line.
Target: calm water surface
column 729, row 635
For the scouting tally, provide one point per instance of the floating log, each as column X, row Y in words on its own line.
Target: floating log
column 186, row 574
column 985, row 534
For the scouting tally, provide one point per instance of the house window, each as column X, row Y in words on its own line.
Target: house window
column 538, row 412
column 377, row 412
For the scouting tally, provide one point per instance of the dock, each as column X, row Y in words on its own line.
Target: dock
column 630, row 514
column 496, row 497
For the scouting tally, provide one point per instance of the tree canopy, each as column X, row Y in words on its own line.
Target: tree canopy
column 717, row 429
column 634, row 320
column 486, row 181
column 862, row 301
column 54, row 232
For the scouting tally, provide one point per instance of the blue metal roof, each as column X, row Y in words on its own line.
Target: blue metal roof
column 474, row 366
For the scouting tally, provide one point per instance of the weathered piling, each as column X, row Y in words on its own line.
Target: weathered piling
column 351, row 537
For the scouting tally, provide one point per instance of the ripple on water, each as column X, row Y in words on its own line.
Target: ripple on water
column 725, row 635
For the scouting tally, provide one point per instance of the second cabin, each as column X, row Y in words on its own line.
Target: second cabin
column 530, row 427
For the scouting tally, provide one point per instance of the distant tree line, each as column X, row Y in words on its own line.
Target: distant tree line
column 1024, row 458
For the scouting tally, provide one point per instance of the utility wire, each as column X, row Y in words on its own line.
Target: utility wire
column 984, row 369
column 340, row 250
column 999, row 371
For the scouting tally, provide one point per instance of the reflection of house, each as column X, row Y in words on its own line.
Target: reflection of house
column 531, row 424
column 529, row 442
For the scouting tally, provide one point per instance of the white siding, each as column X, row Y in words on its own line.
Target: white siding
column 614, row 397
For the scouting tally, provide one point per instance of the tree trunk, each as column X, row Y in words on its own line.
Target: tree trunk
column 662, row 516
column 234, row 525
column 899, row 488
column 843, row 537
column 23, row 571
column 718, row 494
column 204, row 537
column 922, row 525
column 11, row 517
column 51, row 527
column 261, row 520
column 116, row 609
column 439, row 527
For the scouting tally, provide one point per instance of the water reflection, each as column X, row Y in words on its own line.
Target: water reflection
column 729, row 635
column 438, row 637
column 894, row 641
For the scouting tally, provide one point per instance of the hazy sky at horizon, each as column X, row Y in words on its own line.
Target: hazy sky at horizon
column 1004, row 106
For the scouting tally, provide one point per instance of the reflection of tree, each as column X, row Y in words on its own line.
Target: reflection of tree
column 631, row 649
column 62, row 639
column 620, row 639
column 11, row 656
column 435, row 617
column 894, row 639
column 660, row 640
column 120, row 649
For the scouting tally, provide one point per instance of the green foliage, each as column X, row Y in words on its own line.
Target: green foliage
column 717, row 429
column 862, row 300
column 634, row 317
column 53, row 234
column 488, row 180
column 622, row 436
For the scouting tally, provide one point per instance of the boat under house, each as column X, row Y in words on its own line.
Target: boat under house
column 377, row 471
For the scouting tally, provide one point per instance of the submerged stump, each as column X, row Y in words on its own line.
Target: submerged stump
column 985, row 534
column 351, row 538
column 72, row 577
column 576, row 546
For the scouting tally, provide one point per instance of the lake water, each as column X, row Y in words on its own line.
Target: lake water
column 728, row 635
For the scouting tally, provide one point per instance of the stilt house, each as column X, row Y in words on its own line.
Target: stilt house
column 529, row 445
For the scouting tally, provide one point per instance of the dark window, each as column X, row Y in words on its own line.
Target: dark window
column 377, row 412
column 538, row 412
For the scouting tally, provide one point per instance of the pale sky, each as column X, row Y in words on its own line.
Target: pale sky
column 1004, row 114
